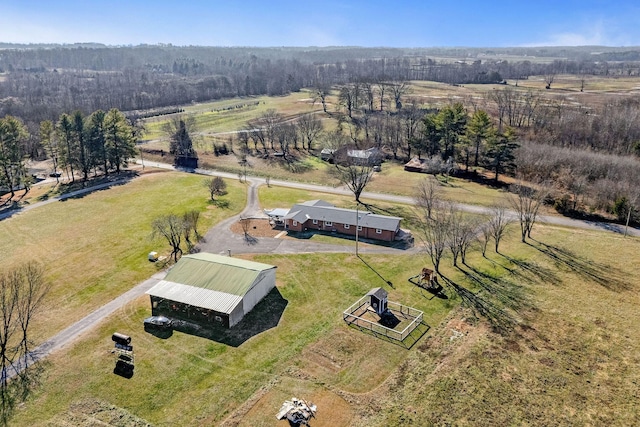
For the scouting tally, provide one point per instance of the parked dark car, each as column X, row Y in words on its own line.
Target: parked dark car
column 158, row 322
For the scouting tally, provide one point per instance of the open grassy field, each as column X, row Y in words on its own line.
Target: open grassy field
column 216, row 119
column 233, row 114
column 93, row 248
column 548, row 334
column 562, row 347
column 220, row 117
column 572, row 360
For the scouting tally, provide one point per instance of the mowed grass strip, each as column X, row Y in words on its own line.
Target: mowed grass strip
column 93, row 248
column 233, row 114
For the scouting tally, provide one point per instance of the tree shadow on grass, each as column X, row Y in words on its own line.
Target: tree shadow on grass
column 84, row 188
column 530, row 271
column 379, row 210
column 601, row 274
column 510, row 295
column 429, row 292
column 264, row 316
column 501, row 319
column 220, row 203
column 388, row 282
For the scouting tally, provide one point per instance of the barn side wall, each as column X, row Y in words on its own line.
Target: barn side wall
column 265, row 281
column 236, row 315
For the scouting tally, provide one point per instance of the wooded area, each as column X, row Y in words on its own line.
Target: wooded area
column 371, row 90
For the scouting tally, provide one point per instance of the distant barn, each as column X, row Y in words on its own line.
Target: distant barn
column 211, row 288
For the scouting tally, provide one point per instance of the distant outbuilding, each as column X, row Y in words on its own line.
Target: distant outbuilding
column 212, row 288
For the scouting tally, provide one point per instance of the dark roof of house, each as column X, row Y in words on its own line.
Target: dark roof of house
column 378, row 293
column 323, row 211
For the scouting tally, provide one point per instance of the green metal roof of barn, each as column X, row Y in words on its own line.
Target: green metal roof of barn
column 217, row 273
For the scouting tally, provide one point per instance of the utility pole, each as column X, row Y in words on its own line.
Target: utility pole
column 357, row 222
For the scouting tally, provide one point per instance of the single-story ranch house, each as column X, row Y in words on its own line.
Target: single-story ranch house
column 212, row 288
column 323, row 216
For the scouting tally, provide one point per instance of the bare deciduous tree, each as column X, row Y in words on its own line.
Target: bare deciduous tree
column 485, row 237
column 190, row 228
column 320, row 93
column 498, row 225
column 435, row 235
column 310, row 128
column 354, row 173
column 22, row 293
column 429, row 194
column 171, row 227
column 398, row 90
column 526, row 201
column 245, row 223
column 548, row 79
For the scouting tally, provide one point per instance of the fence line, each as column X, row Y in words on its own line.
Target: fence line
column 416, row 315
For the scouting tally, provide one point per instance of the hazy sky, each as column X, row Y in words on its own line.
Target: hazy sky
column 416, row 23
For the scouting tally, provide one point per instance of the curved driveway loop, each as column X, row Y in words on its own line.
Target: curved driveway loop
column 221, row 240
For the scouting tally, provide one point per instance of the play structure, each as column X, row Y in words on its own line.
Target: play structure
column 428, row 280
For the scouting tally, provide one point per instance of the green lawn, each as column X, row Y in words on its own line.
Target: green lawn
column 186, row 379
column 559, row 307
column 94, row 247
column 547, row 335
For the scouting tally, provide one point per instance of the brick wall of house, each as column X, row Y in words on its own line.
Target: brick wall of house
column 365, row 233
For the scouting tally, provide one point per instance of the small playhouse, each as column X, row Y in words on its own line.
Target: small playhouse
column 378, row 300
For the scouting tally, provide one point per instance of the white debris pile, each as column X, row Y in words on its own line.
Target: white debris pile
column 298, row 411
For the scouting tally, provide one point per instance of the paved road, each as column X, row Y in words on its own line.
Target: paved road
column 7, row 213
column 548, row 219
column 221, row 240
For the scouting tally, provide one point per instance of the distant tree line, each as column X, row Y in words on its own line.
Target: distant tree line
column 42, row 83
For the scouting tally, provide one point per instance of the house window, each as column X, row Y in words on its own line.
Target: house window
column 315, row 221
column 378, row 231
column 359, row 228
column 295, row 223
column 346, row 226
column 328, row 223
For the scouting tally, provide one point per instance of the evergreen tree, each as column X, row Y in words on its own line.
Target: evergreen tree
column 13, row 135
column 119, row 139
column 50, row 143
column 500, row 155
column 65, row 136
column 82, row 157
column 450, row 124
column 96, row 140
column 479, row 129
